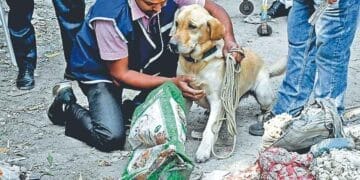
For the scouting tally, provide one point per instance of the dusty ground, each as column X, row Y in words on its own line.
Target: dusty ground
column 29, row 140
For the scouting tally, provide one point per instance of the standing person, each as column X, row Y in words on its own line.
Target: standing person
column 321, row 51
column 70, row 15
column 123, row 43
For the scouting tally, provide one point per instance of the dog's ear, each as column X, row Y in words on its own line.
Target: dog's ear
column 217, row 30
column 173, row 27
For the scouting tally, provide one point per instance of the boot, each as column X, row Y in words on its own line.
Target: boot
column 25, row 79
column 64, row 96
column 23, row 39
column 277, row 9
column 257, row 129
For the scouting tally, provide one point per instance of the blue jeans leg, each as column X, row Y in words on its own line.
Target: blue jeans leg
column 298, row 83
column 335, row 31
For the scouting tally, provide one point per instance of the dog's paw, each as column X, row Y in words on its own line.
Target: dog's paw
column 202, row 155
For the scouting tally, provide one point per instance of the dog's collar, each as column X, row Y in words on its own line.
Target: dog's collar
column 206, row 54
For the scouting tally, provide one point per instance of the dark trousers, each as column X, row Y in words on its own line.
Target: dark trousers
column 102, row 125
column 70, row 15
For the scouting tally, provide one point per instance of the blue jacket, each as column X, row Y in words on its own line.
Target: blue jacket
column 148, row 52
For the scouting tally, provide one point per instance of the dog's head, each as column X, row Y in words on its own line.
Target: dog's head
column 194, row 31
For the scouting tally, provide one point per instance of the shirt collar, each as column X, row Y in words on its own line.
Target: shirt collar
column 136, row 12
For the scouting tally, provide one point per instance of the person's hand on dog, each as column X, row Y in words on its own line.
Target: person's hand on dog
column 232, row 47
column 182, row 82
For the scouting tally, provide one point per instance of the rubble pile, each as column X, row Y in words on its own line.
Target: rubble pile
column 274, row 129
column 354, row 133
column 278, row 163
column 338, row 164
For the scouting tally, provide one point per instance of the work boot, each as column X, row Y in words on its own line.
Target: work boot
column 277, row 9
column 25, row 79
column 257, row 129
column 64, row 96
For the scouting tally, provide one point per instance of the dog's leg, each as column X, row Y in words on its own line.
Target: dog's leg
column 188, row 104
column 264, row 94
column 204, row 150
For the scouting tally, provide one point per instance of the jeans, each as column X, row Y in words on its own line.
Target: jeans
column 70, row 15
column 102, row 126
column 318, row 55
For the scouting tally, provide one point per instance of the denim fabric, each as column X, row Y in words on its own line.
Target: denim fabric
column 320, row 51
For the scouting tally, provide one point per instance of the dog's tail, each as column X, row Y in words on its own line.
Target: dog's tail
column 278, row 67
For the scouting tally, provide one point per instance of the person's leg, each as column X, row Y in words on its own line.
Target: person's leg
column 23, row 39
column 70, row 15
column 335, row 33
column 298, row 83
column 102, row 126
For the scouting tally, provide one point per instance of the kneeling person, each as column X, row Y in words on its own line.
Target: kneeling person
column 122, row 44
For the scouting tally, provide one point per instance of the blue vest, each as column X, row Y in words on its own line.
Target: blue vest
column 148, row 52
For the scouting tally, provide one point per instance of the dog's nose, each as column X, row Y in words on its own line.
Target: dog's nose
column 173, row 47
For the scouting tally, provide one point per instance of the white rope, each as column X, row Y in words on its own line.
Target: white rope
column 230, row 98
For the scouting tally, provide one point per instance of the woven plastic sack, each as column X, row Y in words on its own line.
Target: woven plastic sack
column 317, row 122
column 157, row 137
column 159, row 162
column 160, row 119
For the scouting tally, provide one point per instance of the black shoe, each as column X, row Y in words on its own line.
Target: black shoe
column 64, row 96
column 277, row 9
column 257, row 129
column 25, row 80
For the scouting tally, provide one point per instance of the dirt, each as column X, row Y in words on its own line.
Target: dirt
column 29, row 140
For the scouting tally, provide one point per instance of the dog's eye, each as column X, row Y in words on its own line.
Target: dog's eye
column 191, row 26
column 176, row 24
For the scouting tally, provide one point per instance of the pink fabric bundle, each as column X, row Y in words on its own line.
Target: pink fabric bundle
column 278, row 163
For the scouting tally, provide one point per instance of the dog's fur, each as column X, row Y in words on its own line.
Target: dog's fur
column 194, row 32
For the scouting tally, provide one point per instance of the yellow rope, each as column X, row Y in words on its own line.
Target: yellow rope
column 230, row 98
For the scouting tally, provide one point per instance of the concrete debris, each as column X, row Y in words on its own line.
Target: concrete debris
column 338, row 164
column 278, row 163
column 354, row 133
column 274, row 129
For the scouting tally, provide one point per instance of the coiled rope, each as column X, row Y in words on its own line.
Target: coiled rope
column 230, row 98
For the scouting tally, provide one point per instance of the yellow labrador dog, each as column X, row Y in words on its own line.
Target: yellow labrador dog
column 198, row 38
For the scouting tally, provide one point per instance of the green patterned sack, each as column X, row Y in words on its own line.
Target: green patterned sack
column 157, row 137
column 159, row 162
